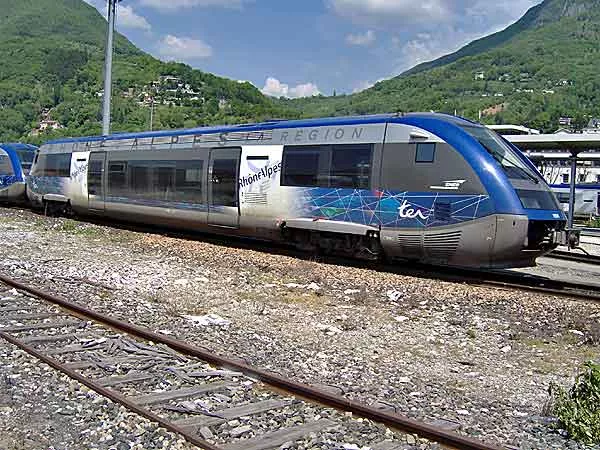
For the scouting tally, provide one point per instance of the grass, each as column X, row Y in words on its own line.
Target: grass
column 578, row 409
column 593, row 223
column 78, row 228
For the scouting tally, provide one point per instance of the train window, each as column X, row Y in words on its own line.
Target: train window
column 188, row 181
column 512, row 163
column 564, row 197
column 53, row 165
column 95, row 177
column 565, row 178
column 138, row 173
column 163, row 180
column 300, row 166
column 117, row 179
column 537, row 199
column 5, row 166
column 26, row 158
column 350, row 166
column 224, row 182
column 425, row 153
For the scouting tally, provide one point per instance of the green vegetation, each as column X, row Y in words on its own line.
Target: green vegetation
column 52, row 54
column 578, row 410
column 593, row 223
column 538, row 70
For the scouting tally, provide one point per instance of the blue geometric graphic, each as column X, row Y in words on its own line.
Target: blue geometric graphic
column 392, row 209
column 7, row 180
column 47, row 185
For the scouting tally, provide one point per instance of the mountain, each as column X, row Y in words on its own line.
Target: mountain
column 542, row 14
column 52, row 54
column 535, row 72
column 528, row 21
column 542, row 68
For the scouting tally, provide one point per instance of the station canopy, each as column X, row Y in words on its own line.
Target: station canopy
column 558, row 146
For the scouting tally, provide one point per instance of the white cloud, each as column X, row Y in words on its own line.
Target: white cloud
column 393, row 12
column 183, row 48
column 304, row 90
column 481, row 15
column 424, row 47
column 364, row 39
column 363, row 85
column 497, row 14
column 127, row 18
column 175, row 5
column 275, row 88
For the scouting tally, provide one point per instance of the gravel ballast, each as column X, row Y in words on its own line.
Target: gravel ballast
column 479, row 359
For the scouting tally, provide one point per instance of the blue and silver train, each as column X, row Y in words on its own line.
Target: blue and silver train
column 15, row 163
column 587, row 199
column 427, row 187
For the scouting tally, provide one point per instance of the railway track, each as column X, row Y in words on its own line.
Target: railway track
column 577, row 257
column 187, row 389
column 478, row 277
column 586, row 231
column 503, row 279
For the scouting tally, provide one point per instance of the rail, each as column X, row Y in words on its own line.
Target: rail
column 577, row 257
column 277, row 382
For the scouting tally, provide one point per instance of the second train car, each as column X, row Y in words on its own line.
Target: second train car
column 15, row 164
column 427, row 187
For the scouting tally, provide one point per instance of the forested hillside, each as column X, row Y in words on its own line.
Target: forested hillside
column 52, row 54
column 541, row 69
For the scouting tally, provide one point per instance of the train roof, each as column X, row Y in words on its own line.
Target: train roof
column 18, row 146
column 276, row 124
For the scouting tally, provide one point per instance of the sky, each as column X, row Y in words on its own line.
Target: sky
column 309, row 47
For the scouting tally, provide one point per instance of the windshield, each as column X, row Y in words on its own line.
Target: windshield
column 511, row 163
column 26, row 158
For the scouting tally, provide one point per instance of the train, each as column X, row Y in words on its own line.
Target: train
column 425, row 187
column 587, row 199
column 15, row 163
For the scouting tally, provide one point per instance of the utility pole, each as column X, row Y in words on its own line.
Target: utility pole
column 573, row 181
column 112, row 12
column 151, row 113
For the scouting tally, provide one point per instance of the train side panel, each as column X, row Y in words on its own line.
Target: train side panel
column 77, row 191
column 15, row 162
column 432, row 188
column 11, row 183
column 434, row 206
column 263, row 204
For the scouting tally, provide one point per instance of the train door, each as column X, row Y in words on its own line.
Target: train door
column 96, row 181
column 223, row 192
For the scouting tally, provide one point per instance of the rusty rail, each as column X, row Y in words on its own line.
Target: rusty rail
column 109, row 393
column 393, row 420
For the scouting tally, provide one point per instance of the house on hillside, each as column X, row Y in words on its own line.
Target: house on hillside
column 565, row 121
column 46, row 125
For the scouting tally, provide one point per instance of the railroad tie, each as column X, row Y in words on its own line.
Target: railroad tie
column 274, row 439
column 164, row 397
column 130, row 378
column 223, row 415
column 42, row 326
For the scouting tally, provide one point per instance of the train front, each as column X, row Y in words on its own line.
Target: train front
column 15, row 161
column 530, row 221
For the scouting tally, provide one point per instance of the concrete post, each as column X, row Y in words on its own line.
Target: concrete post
column 112, row 10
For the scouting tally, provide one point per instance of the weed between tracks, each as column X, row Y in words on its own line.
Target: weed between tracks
column 593, row 223
column 578, row 409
